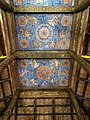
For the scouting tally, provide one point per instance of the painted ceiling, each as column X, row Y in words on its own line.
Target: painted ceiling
column 43, row 2
column 43, row 32
column 44, row 72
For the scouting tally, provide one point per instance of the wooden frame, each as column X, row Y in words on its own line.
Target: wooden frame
column 68, row 90
column 46, row 54
column 43, row 54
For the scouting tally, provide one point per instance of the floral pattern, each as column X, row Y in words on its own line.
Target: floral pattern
column 43, row 2
column 44, row 72
column 43, row 31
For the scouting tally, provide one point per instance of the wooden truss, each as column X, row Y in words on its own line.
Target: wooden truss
column 81, row 13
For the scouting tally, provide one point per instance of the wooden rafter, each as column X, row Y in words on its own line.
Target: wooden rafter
column 5, row 6
column 82, row 6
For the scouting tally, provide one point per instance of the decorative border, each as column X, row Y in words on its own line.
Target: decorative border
column 46, row 9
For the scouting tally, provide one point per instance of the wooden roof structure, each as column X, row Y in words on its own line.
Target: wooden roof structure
column 76, row 96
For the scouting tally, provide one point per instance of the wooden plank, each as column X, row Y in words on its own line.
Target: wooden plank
column 44, row 9
column 11, row 106
column 43, row 54
column 85, row 65
column 76, row 105
column 82, row 6
column 5, row 6
column 6, row 62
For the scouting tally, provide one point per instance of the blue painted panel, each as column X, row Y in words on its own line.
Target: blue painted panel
column 43, row 2
column 43, row 31
column 44, row 72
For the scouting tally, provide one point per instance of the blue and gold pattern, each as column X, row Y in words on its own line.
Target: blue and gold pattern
column 44, row 72
column 43, row 31
column 43, row 2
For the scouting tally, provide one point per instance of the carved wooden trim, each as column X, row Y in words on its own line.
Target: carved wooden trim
column 44, row 9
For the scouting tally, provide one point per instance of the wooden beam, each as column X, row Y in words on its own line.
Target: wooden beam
column 42, row 88
column 43, row 54
column 5, row 6
column 6, row 62
column 85, row 65
column 82, row 6
column 44, row 9
column 76, row 105
column 11, row 106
